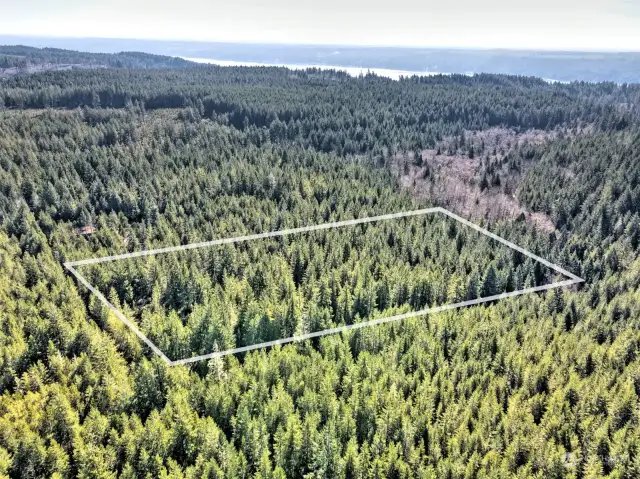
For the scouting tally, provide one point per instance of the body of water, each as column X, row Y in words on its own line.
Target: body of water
column 353, row 71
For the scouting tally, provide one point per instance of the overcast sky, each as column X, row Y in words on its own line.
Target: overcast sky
column 544, row 24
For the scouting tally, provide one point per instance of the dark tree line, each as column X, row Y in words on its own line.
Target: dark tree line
column 329, row 111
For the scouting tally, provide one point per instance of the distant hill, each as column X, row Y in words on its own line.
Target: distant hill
column 20, row 58
column 557, row 65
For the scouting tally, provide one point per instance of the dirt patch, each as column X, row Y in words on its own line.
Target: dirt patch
column 467, row 174
column 45, row 67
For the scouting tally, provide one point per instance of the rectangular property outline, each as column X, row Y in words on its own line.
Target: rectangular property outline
column 71, row 266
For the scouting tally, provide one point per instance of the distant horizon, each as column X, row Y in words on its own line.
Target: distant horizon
column 597, row 26
column 311, row 44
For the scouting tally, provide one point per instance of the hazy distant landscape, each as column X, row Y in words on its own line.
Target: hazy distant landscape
column 556, row 65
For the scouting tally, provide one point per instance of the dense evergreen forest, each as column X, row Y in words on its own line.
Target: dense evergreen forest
column 248, row 293
column 545, row 385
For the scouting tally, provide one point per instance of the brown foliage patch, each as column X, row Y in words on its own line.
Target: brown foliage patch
column 452, row 175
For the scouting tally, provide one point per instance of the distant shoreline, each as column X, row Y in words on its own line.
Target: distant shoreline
column 351, row 70
column 390, row 62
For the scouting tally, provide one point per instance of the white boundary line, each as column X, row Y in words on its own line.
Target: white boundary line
column 72, row 264
column 117, row 312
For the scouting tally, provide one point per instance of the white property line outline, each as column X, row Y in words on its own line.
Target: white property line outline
column 337, row 224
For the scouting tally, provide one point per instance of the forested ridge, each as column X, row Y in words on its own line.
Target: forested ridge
column 22, row 57
column 538, row 386
column 619, row 67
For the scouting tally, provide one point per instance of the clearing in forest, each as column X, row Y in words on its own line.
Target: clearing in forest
column 205, row 300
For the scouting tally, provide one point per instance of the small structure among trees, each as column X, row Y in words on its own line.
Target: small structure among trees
column 85, row 230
